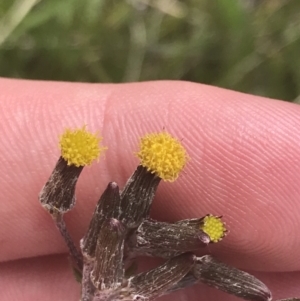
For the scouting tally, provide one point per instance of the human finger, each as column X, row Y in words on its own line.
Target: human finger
column 244, row 162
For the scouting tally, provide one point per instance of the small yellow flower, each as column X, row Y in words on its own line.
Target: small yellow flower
column 213, row 227
column 163, row 155
column 80, row 147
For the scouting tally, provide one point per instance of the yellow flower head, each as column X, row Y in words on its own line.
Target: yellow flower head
column 80, row 147
column 163, row 155
column 213, row 227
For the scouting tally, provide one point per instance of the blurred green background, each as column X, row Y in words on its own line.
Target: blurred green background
column 246, row 45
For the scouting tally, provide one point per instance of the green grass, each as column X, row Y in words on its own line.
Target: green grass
column 246, row 45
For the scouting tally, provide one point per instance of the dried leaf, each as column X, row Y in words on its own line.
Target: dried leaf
column 58, row 194
column 166, row 239
column 152, row 284
column 230, row 280
column 108, row 270
column 137, row 196
column 188, row 280
column 107, row 207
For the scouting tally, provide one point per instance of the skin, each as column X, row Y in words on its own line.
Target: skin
column 244, row 165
